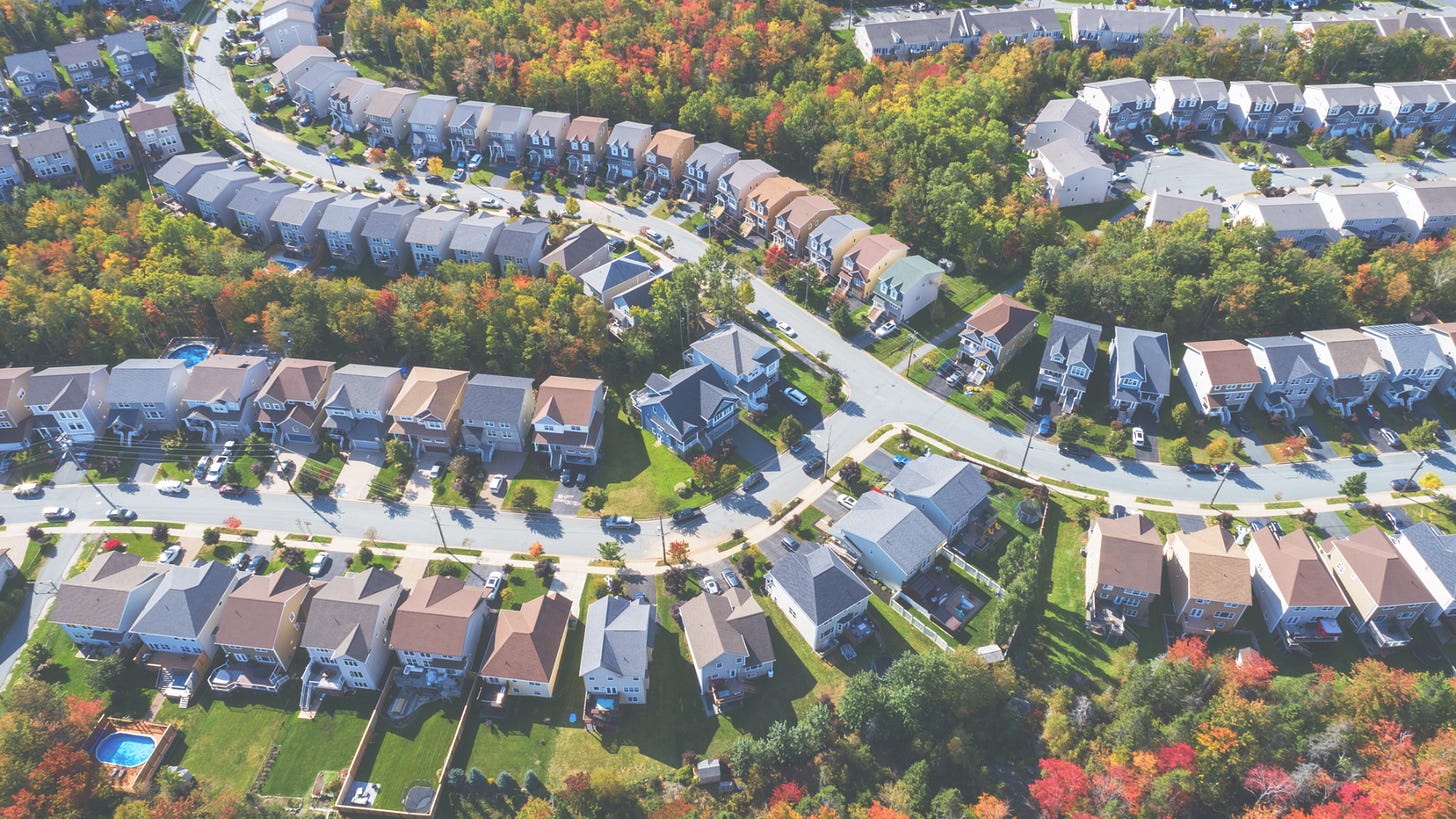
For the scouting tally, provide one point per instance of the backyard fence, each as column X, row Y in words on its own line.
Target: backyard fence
column 974, row 572
column 918, row 624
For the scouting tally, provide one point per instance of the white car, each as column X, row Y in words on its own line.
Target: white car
column 798, row 398
column 1248, row 166
column 846, row 501
column 26, row 490
column 320, row 565
column 493, row 585
column 711, row 586
column 214, row 472
column 1120, row 177
column 57, row 513
column 171, row 554
column 171, row 487
column 1138, row 437
column 498, row 484
column 887, row 329
column 788, row 331
column 1152, row 140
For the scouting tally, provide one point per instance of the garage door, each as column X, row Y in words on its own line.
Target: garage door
column 366, row 444
column 295, row 438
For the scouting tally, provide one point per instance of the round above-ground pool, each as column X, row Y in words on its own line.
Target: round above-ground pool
column 125, row 749
column 190, row 354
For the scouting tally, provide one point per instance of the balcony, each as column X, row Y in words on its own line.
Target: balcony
column 233, row 675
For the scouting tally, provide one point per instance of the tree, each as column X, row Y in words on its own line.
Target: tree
column 1261, row 179
column 705, row 471
column 790, row 430
column 37, row 534
column 594, row 498
column 1431, row 482
column 532, row 782
column 610, row 550
column 395, row 160
column 231, row 474
column 1062, row 789
column 536, row 549
column 1179, row 452
column 572, row 207
column 678, row 551
column 435, row 165
column 851, row 474
column 517, row 181
column 546, row 570
column 398, row 452
column 1071, row 428
column 834, row 387
column 211, row 536
column 37, row 656
column 365, row 556
column 1294, row 447
column 1218, row 448
column 526, row 497
column 675, row 581
column 478, row 780
column 506, row 783
column 747, row 564
column 161, row 532
column 841, row 319
column 1423, row 435
column 1354, row 486
column 1182, row 415
column 232, row 523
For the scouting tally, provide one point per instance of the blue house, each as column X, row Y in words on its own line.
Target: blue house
column 690, row 410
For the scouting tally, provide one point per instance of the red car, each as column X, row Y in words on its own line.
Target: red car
column 229, row 490
column 111, row 545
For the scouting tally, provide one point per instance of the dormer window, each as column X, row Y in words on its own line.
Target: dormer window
column 1059, row 358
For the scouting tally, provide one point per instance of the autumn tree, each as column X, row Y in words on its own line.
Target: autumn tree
column 678, row 551
column 1294, row 447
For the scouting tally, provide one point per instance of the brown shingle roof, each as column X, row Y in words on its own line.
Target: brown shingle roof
column 1227, row 362
column 97, row 596
column 253, row 612
column 667, row 143
column 567, row 400
column 1217, row 567
column 1379, row 567
column 430, row 391
column 1296, row 570
column 1131, row 554
column 298, row 379
column 219, row 378
column 527, row 643
column 774, row 190
column 1001, row 317
column 435, row 617
column 732, row 622
column 868, row 252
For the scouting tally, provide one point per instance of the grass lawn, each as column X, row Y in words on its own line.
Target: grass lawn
column 327, row 472
column 399, row 757
column 1088, row 217
column 69, row 674
column 807, row 518
column 382, row 487
column 522, row 587
column 640, row 474
column 536, row 477
column 38, row 470
column 797, row 374
column 138, row 543
column 125, row 472
column 173, row 471
column 1314, row 158
column 445, row 494
column 246, row 478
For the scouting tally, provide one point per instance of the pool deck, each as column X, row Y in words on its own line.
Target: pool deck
column 133, row 779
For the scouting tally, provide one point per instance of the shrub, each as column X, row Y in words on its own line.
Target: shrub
column 595, row 498
column 210, row 536
column 36, row 533
column 293, row 556
column 506, row 782
column 526, row 497
column 545, row 570
column 366, row 556
column 160, row 533
column 532, row 782
column 307, row 483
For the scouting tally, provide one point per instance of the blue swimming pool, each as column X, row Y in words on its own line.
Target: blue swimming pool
column 190, row 354
column 125, row 749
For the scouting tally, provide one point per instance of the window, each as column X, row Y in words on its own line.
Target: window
column 1223, row 615
column 1230, row 605
column 1195, row 613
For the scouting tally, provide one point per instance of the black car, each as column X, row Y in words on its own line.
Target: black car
column 1365, row 459
column 1404, row 485
column 121, row 515
column 1227, row 468
column 1074, row 451
column 390, row 173
column 566, row 477
column 687, row 514
column 435, row 179
column 946, row 368
column 258, row 564
column 814, row 466
column 1197, row 469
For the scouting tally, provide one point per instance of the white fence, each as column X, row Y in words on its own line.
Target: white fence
column 974, row 572
column 919, row 625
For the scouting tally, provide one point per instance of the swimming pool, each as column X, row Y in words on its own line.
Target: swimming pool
column 190, row 354
column 124, row 749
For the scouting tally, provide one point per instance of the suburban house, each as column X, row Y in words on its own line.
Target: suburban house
column 1386, row 595
column 253, row 205
column 667, row 153
column 295, row 221
column 735, row 183
column 585, row 144
column 429, row 124
column 178, row 626
column 495, row 413
column 522, row 243
column 34, row 75
column 386, row 116
column 349, row 104
column 947, row 491
column 1265, row 109
column 429, row 236
column 287, row 27
column 1353, row 367
column 314, row 88
column 729, row 643
column 1068, row 118
column 7, row 566
column 583, row 249
column 214, row 191
column 1124, row 568
column 523, row 654
column 743, row 359
column 106, row 145
column 863, row 263
column 298, row 60
column 48, row 152
column 1445, row 333
column 1299, row 597
column 69, row 401
column 1167, row 207
column 832, row 239
column 505, row 135
column 704, row 167
column 994, row 333
column 342, row 226
column 1073, row 172
column 767, row 199
column 689, row 411
column 11, row 176
column 1366, row 211
column 144, row 395
column 1429, row 206
column 820, row 595
column 1222, row 375
column 290, row 405
column 1289, row 373
column 385, row 231
column 218, row 397
column 97, row 607
column 626, row 147
column 426, row 413
column 621, row 284
column 14, row 414
column 1208, row 580
column 347, row 634
column 891, row 539
column 570, row 416
column 616, row 650
column 1408, row 107
column 1192, row 104
column 1343, row 109
column 794, row 222
column 1068, row 361
column 156, row 130
column 468, row 123
column 82, row 61
column 545, row 135
column 475, row 238
column 1414, row 361
column 911, row 37
column 907, row 286
column 437, row 630
column 360, row 396
column 259, row 630
column 1431, row 554
column 1123, row 104
column 1296, row 219
column 1142, row 369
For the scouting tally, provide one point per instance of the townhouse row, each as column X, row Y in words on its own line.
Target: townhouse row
column 35, row 76
column 52, row 152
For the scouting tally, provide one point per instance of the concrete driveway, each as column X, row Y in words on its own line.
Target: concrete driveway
column 359, row 470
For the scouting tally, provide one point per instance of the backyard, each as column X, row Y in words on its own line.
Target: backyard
column 400, row 757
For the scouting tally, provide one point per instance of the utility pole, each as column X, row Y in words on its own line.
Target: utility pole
column 1419, row 464
column 662, row 535
column 1219, row 488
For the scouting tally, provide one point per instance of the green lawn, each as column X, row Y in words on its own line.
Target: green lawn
column 640, row 474
column 137, row 543
column 1314, row 158
column 399, row 757
column 536, row 477
column 36, row 553
column 523, row 586
column 445, row 494
column 327, row 472
column 1088, row 217
column 382, row 487
column 124, row 472
column 808, row 516
column 69, row 674
column 37, row 469
column 173, row 471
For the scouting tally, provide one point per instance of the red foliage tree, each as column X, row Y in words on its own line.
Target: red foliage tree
column 790, row 792
column 1190, row 650
column 1062, row 789
column 878, row 811
column 1178, row 756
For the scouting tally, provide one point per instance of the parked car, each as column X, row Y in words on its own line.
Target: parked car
column 1284, row 159
column 799, row 445
column 459, row 176
column 766, row 317
column 686, row 514
column 1365, row 459
column 435, row 179
column 201, row 469
column 493, row 583
column 474, row 163
column 1276, row 528
column 887, row 329
column 171, row 487
column 789, row 543
column 847, row 501
column 1139, row 438
column 1227, row 468
column 788, row 331
column 1391, row 438
column 731, row 578
column 171, row 554
column 214, row 472
column 1248, row 166
column 26, row 490
column 1075, row 451
column 498, row 485
column 901, row 460
column 566, row 477
column 422, row 163
column 814, row 466
column 335, row 159
column 1153, row 142
column 1404, row 485
column 754, row 479
column 651, row 235
column 1197, row 469
column 1044, row 427
column 258, row 564
column 649, row 198
column 57, row 513
column 619, row 522
column 390, row 173
column 489, row 202
column 1243, row 425
column 797, row 397
column 320, row 565
column 121, row 515
column 240, row 561
column 1173, row 150
column 711, row 586
column 230, row 490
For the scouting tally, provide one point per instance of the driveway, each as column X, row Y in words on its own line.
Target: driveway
column 358, row 472
column 1332, row 523
column 1191, row 523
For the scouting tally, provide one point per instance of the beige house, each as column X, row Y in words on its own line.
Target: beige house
column 994, row 334
column 1124, row 567
column 437, row 630
column 426, row 412
column 524, row 652
column 1221, row 375
column 767, row 199
column 569, row 420
column 666, row 155
column 1208, row 580
column 866, row 260
column 795, row 222
column 259, row 631
column 1386, row 595
column 729, row 642
column 14, row 414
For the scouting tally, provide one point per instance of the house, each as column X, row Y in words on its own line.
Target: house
column 616, row 650
column 891, row 539
column 155, row 127
column 832, row 239
column 1431, row 554
column 1068, row 361
column 1122, row 105
column 1410, row 107
column 385, row 231
column 97, row 607
column 994, row 333
column 820, row 595
column 666, row 155
column 287, row 27
column 8, row 569
column 426, row 413
column 134, row 61
column 295, row 221
column 1414, row 361
column 475, row 238
column 1115, row 29
column 314, row 7
column 293, row 64
column 429, row 124
column 315, row 87
column 342, row 226
column 360, row 396
column 33, row 75
column 744, row 360
column 1353, row 367
column 690, row 411
column 429, row 236
column 495, row 413
column 1019, row 24
column 524, row 652
column 506, row 133
column 1342, row 110
column 181, row 172
column 947, row 491
column 253, row 207
column 545, row 137
column 468, row 129
column 912, row 37
column 703, row 169
column 794, row 223
column 349, row 104
column 437, row 629
column 1124, row 568
column 215, row 190
column 1366, row 211
column 1208, row 580
column 1222, row 375
column 290, row 404
column 521, row 244
column 863, row 263
column 1445, row 333
column 907, row 286
column 1289, row 373
column 386, row 117
column 106, row 145
column 1265, row 109
column 585, row 143
column 1167, row 207
column 11, row 177
column 14, row 414
column 583, row 249
column 1069, row 118
column 144, row 395
column 178, row 626
column 1298, row 596
column 621, row 284
column 766, row 200
column 1185, row 103
column 736, row 182
column 570, row 415
column 1386, row 596
column 48, row 152
column 82, row 61
column 347, row 634
column 218, row 397
column 729, row 643
column 69, row 401
column 626, row 150
column 1142, row 369
column 1429, row 206
column 1295, row 218
column 259, row 630
column 1074, row 173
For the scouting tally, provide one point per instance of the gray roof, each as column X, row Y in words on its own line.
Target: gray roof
column 1352, row 352
column 1146, row 353
column 578, row 248
column 342, row 615
column 1421, row 92
column 364, row 386
column 62, row 388
column 835, row 228
column 221, row 378
column 49, row 138
column 954, row 487
column 634, row 134
column 259, row 198
column 509, row 119
column 688, row 398
column 1436, row 549
column 1201, row 88
column 432, row 108
column 711, row 153
column 1122, row 90
column 99, row 131
column 1286, row 213
column 1411, row 347
column 1068, row 156
column 548, row 123
column 477, row 233
column 346, row 211
column 905, row 534
column 818, row 581
column 1436, row 196
column 1289, row 357
column 213, row 184
column 30, row 62
column 298, row 55
column 1277, row 92
column 732, row 622
column 127, row 42
column 1345, row 94
column 1076, row 341
column 1071, row 110
column 97, row 596
column 322, row 73
column 941, row 28
column 296, row 207
column 471, row 114
column 84, row 51
column 1013, row 22
column 186, row 598
column 386, row 102
column 142, row 380
column 494, row 398
column 621, row 270
column 351, row 87
column 736, row 350
column 176, row 169
column 619, row 636
column 435, row 226
column 745, row 172
column 1170, row 206
column 1361, row 202
column 520, row 237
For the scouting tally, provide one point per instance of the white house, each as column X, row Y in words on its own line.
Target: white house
column 1431, row 554
column 1414, row 360
column 616, row 651
column 97, row 607
column 1074, row 173
column 890, row 538
column 1221, row 374
column 820, row 595
column 1124, row 104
